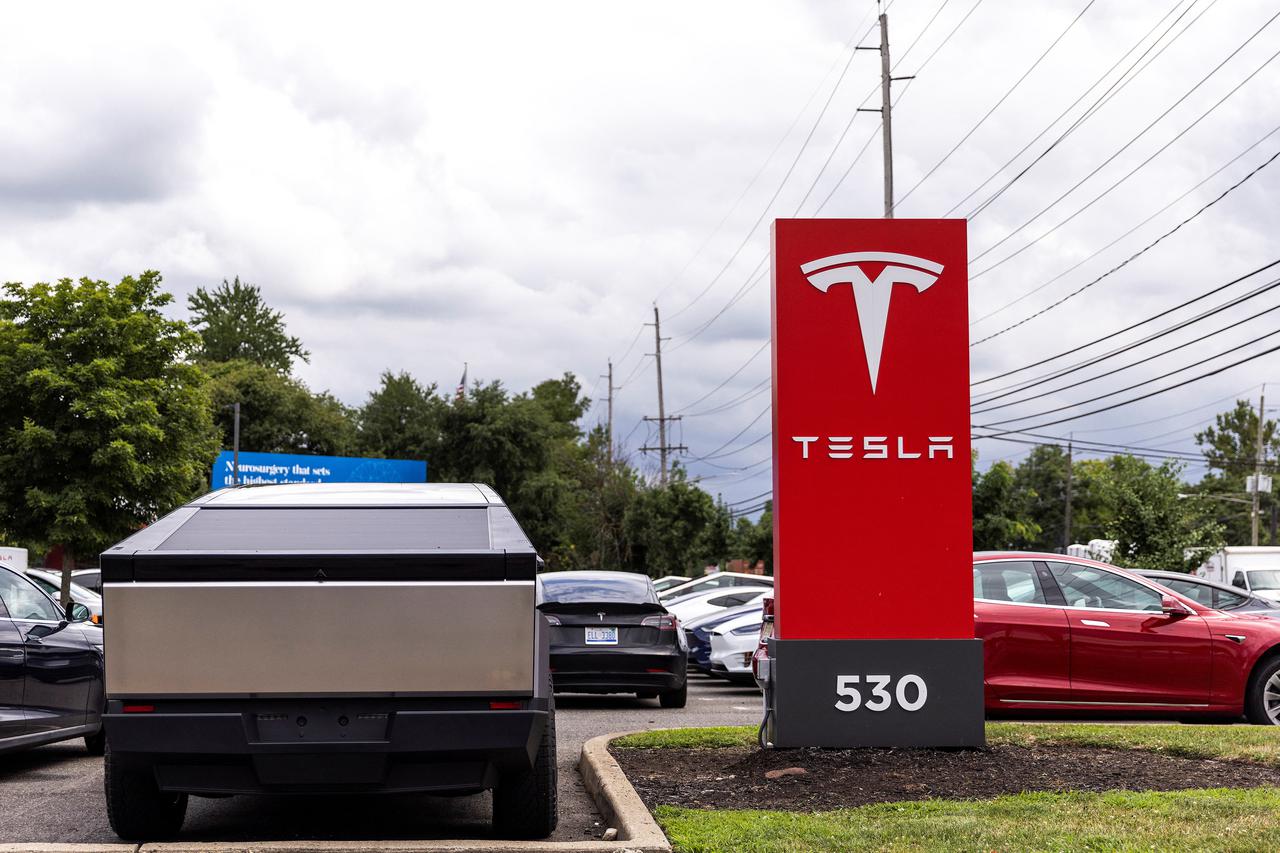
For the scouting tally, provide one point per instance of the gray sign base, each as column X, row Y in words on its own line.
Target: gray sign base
column 850, row 693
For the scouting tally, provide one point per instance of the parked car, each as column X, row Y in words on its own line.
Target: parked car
column 1219, row 596
column 697, row 633
column 51, row 670
column 1068, row 636
column 89, row 579
column 733, row 643
column 1253, row 568
column 329, row 639
column 51, row 582
column 715, row 580
column 711, row 601
column 1071, row 636
column 661, row 585
column 610, row 634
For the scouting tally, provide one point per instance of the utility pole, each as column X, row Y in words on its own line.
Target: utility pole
column 886, row 111
column 1257, row 465
column 609, row 429
column 1066, row 516
column 235, row 445
column 663, row 447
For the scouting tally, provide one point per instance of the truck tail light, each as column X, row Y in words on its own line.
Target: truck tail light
column 139, row 709
column 663, row 622
column 504, row 706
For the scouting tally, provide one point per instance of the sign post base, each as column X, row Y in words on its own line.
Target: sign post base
column 852, row 693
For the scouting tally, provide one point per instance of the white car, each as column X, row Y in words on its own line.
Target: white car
column 661, row 585
column 51, row 583
column 732, row 645
column 715, row 580
column 702, row 604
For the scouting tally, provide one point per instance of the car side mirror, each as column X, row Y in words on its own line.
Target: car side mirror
column 1170, row 606
column 77, row 612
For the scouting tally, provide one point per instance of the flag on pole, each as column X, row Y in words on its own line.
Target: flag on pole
column 462, row 383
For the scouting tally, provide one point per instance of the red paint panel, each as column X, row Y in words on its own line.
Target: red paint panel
column 871, row 540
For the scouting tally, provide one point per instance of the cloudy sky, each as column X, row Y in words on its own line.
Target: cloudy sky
column 514, row 185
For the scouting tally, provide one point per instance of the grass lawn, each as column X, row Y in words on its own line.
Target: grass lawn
column 1219, row 819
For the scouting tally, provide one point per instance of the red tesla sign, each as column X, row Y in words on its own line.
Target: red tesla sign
column 872, row 513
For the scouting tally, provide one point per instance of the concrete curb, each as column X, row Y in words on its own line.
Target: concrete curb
column 604, row 780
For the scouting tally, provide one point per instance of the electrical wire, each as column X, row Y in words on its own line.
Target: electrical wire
column 997, row 104
column 730, row 378
column 1090, row 257
column 1130, row 327
column 1124, row 148
column 1186, row 323
column 716, row 454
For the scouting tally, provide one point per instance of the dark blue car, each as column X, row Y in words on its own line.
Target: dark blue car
column 698, row 635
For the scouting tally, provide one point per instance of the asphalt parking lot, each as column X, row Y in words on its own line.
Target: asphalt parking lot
column 54, row 793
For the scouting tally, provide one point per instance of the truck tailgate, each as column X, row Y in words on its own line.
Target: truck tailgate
column 319, row 637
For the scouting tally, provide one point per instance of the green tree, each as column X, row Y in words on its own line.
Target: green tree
column 1001, row 517
column 104, row 425
column 1041, row 481
column 235, row 324
column 277, row 413
column 753, row 541
column 400, row 419
column 664, row 525
column 1153, row 525
column 1230, row 447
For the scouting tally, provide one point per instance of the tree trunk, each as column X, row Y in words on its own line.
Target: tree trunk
column 68, row 563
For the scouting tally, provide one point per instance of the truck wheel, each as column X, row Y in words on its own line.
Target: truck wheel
column 524, row 803
column 677, row 698
column 96, row 744
column 1262, row 700
column 136, row 807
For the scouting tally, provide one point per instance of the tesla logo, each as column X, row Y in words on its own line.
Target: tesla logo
column 872, row 297
column 601, row 615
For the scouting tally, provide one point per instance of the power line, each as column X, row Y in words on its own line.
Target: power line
column 997, row 104
column 750, row 394
column 1136, row 385
column 1124, row 148
column 1130, row 327
column 1176, row 327
column 1148, row 395
column 730, row 378
column 715, row 454
column 1117, row 86
column 1165, row 418
column 1090, row 257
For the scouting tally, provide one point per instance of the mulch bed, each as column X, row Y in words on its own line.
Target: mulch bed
column 838, row 778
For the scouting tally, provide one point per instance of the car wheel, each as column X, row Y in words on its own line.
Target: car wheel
column 524, row 803
column 1262, row 701
column 677, row 698
column 96, row 744
column 136, row 807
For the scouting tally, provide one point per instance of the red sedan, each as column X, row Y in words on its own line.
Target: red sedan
column 1066, row 635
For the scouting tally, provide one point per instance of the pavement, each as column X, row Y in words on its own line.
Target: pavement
column 54, row 793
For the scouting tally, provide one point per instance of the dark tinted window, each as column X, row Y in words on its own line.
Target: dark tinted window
column 333, row 529
column 1195, row 591
column 1086, row 586
column 1015, row 582
column 1223, row 600
column 576, row 588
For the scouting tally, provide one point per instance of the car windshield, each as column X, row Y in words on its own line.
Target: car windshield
column 568, row 589
column 1264, row 578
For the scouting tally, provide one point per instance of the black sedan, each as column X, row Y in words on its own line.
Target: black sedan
column 610, row 634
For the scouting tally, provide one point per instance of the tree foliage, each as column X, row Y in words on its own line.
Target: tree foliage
column 277, row 412
column 1154, row 526
column 235, row 324
column 104, row 425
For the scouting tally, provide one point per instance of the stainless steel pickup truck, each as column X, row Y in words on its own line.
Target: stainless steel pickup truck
column 327, row 638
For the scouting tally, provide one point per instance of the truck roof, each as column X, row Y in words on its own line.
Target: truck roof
column 364, row 531
column 353, row 495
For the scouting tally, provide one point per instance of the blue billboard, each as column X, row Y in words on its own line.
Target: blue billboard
column 300, row 468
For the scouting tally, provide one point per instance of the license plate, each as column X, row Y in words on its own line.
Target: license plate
column 602, row 636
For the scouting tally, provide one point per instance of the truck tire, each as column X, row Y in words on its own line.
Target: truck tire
column 96, row 744
column 136, row 807
column 1255, row 698
column 524, row 803
column 677, row 698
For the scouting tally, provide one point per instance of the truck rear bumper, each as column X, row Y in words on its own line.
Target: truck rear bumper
column 326, row 747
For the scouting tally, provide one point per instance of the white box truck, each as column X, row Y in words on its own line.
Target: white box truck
column 1253, row 568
